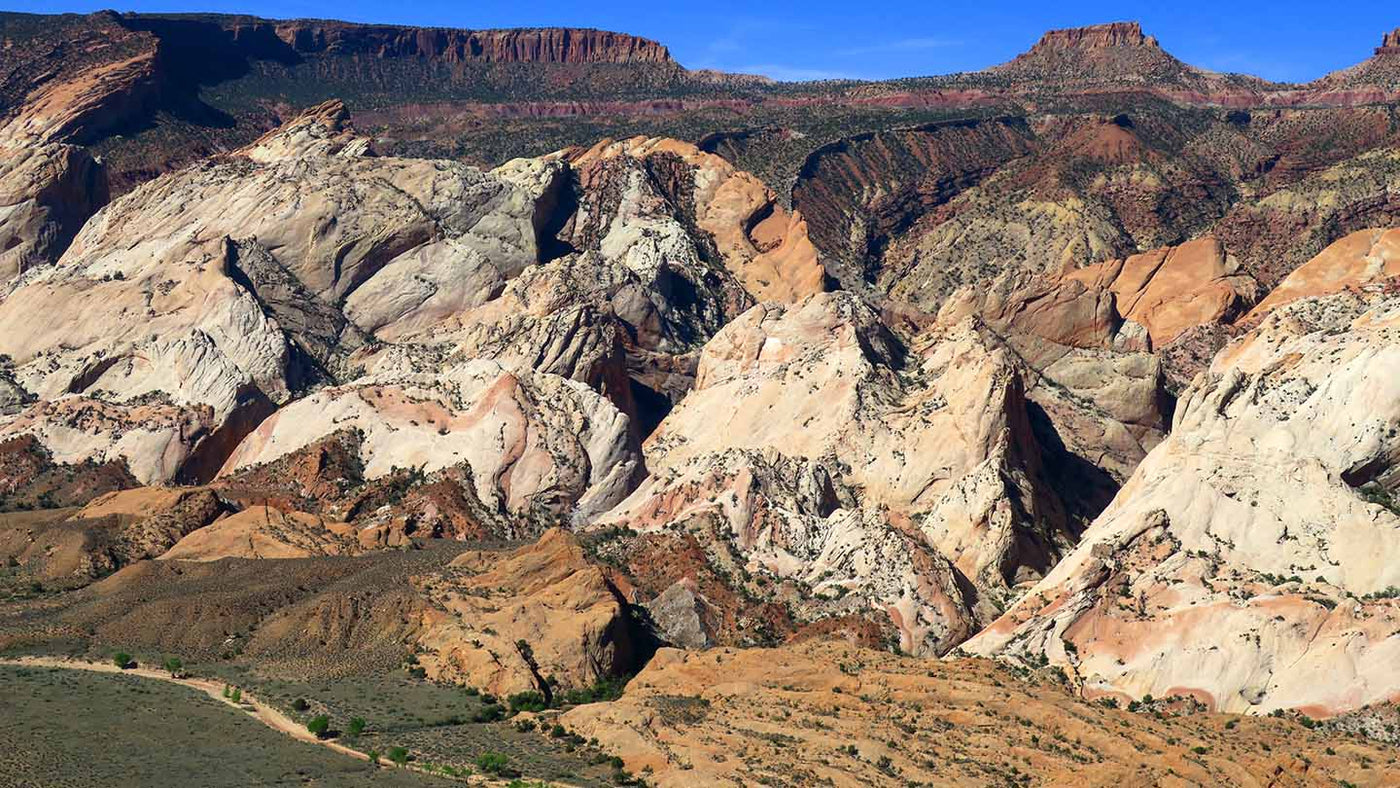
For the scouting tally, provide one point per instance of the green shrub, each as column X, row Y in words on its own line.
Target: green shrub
column 529, row 700
column 398, row 755
column 122, row 660
column 174, row 665
column 300, row 704
column 491, row 712
column 236, row 696
column 357, row 726
column 495, row 763
column 319, row 725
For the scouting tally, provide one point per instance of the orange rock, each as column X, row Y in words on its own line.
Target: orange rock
column 1357, row 259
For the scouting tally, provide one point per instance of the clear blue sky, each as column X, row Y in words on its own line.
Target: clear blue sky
column 1285, row 40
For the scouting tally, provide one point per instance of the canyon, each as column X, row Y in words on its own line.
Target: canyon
column 1034, row 425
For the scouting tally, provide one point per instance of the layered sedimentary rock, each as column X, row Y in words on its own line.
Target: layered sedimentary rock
column 1249, row 561
column 1359, row 259
column 857, row 467
column 537, row 618
column 448, row 45
column 534, row 442
column 763, row 246
column 262, row 532
column 74, row 547
column 1115, row 53
column 46, row 193
column 1169, row 291
column 191, row 337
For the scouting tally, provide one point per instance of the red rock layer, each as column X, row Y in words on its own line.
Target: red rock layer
column 546, row 45
column 1390, row 45
column 1114, row 34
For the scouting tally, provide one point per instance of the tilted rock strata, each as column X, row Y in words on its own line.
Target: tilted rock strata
column 1247, row 543
column 1358, row 259
column 532, row 441
column 763, row 246
column 1168, row 291
column 941, row 477
column 508, row 622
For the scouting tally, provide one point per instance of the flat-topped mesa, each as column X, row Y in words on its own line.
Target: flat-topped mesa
column 541, row 45
column 1113, row 34
column 1390, row 44
column 1114, row 53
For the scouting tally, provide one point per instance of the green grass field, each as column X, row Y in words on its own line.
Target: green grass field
column 62, row 728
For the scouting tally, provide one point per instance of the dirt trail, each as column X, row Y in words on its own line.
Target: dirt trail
column 248, row 704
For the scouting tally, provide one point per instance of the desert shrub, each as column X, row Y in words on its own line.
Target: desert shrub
column 320, row 725
column 495, row 763
column 357, row 726
column 300, row 704
column 491, row 712
column 529, row 700
column 122, row 660
column 398, row 755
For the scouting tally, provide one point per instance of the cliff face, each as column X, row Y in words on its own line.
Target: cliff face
column 290, row 40
column 1390, row 45
column 546, row 45
column 1114, row 34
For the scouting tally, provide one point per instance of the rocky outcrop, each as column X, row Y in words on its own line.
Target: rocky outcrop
column 1113, row 34
column 208, row 334
column 1171, row 290
column 47, row 191
column 535, row 443
column 1390, row 43
column 856, row 467
column 1359, row 259
column 1117, row 54
column 72, row 548
column 322, row 130
column 537, row 618
column 455, row 46
column 1249, row 561
column 675, row 183
column 261, row 532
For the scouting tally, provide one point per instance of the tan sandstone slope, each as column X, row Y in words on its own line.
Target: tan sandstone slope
column 824, row 713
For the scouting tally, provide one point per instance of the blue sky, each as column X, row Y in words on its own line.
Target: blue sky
column 1283, row 40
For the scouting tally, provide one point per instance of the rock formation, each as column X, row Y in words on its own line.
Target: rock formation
column 828, row 713
column 1249, row 560
column 855, row 466
column 511, row 622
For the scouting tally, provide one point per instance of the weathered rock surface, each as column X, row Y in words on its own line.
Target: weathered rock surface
column 68, row 548
column 855, row 466
column 1168, row 291
column 1360, row 258
column 822, row 713
column 535, row 443
column 508, row 622
column 262, row 532
column 1249, row 561
column 667, row 184
column 47, row 191
column 190, row 338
